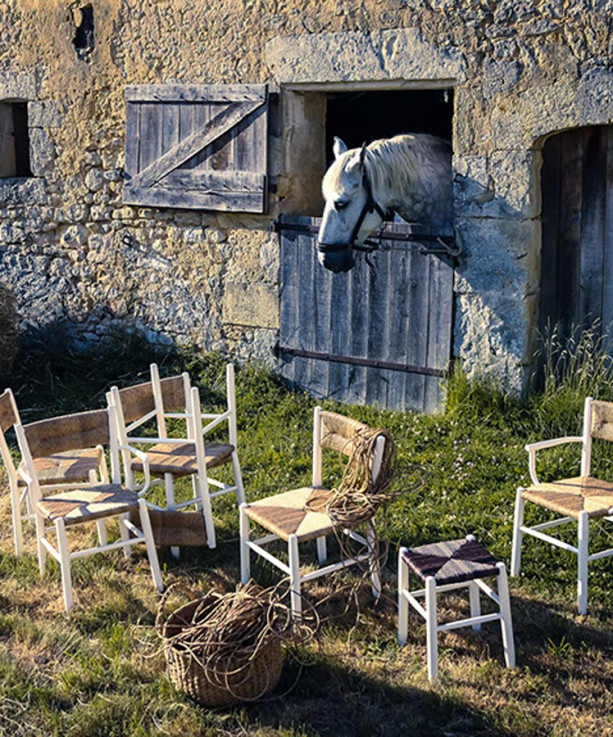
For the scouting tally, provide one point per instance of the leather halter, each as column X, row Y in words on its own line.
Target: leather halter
column 370, row 205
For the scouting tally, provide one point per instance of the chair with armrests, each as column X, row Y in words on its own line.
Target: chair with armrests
column 579, row 499
column 88, row 502
column 57, row 470
column 171, row 457
column 301, row 515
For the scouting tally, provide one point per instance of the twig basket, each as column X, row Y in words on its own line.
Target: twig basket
column 240, row 677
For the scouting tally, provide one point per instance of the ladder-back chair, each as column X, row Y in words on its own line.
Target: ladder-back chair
column 55, row 471
column 172, row 457
column 88, row 502
column 300, row 515
column 579, row 499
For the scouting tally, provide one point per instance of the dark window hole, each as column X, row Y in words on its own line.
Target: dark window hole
column 84, row 35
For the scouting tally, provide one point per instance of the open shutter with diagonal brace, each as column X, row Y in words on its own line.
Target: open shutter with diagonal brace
column 197, row 146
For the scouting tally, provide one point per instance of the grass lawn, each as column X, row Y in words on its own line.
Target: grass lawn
column 100, row 670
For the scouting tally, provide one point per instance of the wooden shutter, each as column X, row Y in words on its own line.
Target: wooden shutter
column 197, row 146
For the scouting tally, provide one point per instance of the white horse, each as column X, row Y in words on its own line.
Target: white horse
column 406, row 174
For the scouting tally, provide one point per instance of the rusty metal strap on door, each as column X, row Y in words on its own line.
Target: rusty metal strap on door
column 280, row 350
column 445, row 244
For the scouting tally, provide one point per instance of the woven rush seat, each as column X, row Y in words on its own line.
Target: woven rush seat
column 180, row 459
column 572, row 496
column 300, row 512
column 83, row 505
column 67, row 467
column 452, row 562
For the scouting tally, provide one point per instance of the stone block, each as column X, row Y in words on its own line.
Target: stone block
column 44, row 114
column 42, row 151
column 17, row 86
column 498, row 254
column 255, row 305
column 30, row 191
column 402, row 53
column 500, row 76
column 94, row 179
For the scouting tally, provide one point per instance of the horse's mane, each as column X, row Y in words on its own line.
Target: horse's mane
column 401, row 163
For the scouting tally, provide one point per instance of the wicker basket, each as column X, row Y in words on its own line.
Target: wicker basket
column 211, row 689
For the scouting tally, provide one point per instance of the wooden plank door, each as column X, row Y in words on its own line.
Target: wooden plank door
column 577, row 231
column 377, row 335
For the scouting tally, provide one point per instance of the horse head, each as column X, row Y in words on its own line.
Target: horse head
column 351, row 213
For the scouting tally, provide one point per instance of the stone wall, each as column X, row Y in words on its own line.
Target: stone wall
column 75, row 257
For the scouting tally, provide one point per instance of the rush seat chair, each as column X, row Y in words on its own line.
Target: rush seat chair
column 57, row 470
column 449, row 566
column 89, row 502
column 580, row 499
column 300, row 515
column 171, row 458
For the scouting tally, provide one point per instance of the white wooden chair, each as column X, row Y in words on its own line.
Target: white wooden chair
column 579, row 499
column 190, row 455
column 56, row 471
column 300, row 515
column 449, row 566
column 87, row 502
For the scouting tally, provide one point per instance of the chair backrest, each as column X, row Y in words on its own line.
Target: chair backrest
column 337, row 432
column 69, row 432
column 9, row 416
column 598, row 424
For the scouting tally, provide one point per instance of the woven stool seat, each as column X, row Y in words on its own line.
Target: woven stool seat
column 451, row 562
column 93, row 502
column 67, row 467
column 180, row 459
column 572, row 496
column 300, row 512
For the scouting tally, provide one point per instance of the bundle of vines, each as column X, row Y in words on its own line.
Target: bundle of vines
column 8, row 331
column 225, row 648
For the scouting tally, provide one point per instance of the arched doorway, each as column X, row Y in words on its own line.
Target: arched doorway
column 577, row 230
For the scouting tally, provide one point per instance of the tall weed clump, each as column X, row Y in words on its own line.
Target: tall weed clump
column 573, row 368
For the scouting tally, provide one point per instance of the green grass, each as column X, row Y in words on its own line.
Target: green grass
column 100, row 670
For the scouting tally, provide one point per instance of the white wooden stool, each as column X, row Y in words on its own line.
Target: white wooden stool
column 448, row 566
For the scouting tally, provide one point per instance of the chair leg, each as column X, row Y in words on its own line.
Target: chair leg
column 238, row 479
column 475, row 603
column 62, row 544
column 506, row 623
column 207, row 511
column 243, row 522
column 583, row 546
column 294, row 575
column 41, row 549
column 403, row 604
column 169, row 489
column 102, row 535
column 154, row 563
column 125, row 535
column 431, row 629
column 518, row 535
column 322, row 550
column 374, row 564
column 17, row 521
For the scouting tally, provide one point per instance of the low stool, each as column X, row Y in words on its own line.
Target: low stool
column 447, row 566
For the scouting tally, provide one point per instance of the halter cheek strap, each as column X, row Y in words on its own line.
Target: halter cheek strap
column 370, row 205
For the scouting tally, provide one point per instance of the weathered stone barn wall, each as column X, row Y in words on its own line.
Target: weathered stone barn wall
column 74, row 255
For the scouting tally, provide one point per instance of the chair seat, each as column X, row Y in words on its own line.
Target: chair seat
column 180, row 459
column 67, row 467
column 83, row 505
column 452, row 562
column 571, row 496
column 300, row 512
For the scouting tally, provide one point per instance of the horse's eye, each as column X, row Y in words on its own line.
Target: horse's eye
column 339, row 204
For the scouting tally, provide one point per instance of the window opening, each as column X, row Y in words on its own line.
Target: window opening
column 362, row 116
column 14, row 140
column 84, row 34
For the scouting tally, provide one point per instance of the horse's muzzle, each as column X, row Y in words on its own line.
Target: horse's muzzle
column 336, row 260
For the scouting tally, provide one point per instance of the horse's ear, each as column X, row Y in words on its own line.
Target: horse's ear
column 339, row 147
